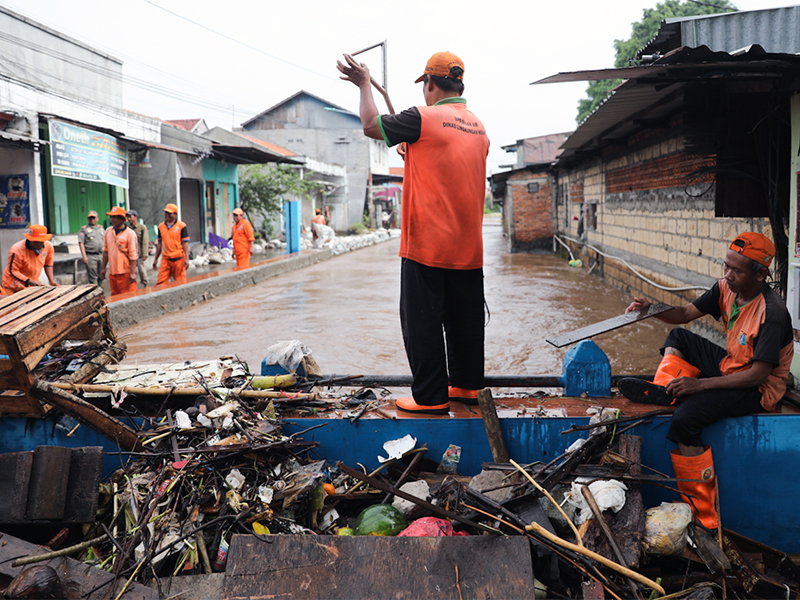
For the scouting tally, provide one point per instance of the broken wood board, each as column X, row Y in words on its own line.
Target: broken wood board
column 80, row 578
column 570, row 337
column 299, row 566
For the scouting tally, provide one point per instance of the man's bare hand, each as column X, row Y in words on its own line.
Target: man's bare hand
column 684, row 386
column 401, row 150
column 358, row 73
column 638, row 304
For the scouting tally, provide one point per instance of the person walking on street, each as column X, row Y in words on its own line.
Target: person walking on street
column 173, row 241
column 90, row 241
column 143, row 237
column 121, row 252
column 27, row 258
column 444, row 146
column 243, row 239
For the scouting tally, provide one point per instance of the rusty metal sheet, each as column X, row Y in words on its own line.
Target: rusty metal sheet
column 300, row 566
column 565, row 339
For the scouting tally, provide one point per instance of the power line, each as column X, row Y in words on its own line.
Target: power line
column 234, row 40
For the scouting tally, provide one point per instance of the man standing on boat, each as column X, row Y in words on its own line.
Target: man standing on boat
column 444, row 146
column 173, row 241
column 709, row 383
column 243, row 239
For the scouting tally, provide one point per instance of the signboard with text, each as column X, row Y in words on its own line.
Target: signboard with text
column 15, row 205
column 79, row 153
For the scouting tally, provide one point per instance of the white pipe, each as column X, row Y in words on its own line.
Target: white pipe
column 635, row 272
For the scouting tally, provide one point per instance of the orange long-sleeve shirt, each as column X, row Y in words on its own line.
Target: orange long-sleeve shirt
column 24, row 264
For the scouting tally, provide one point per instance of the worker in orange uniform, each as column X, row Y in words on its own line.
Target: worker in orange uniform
column 121, row 252
column 317, row 219
column 27, row 258
column 243, row 239
column 173, row 241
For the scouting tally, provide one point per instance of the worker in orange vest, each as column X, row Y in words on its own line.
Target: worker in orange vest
column 317, row 218
column 173, row 241
column 121, row 252
column 243, row 239
column 27, row 258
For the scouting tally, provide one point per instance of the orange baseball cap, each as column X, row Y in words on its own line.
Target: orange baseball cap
column 171, row 208
column 440, row 64
column 238, row 211
column 38, row 233
column 755, row 246
column 117, row 211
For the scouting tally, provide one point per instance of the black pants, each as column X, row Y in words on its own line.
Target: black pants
column 431, row 299
column 697, row 412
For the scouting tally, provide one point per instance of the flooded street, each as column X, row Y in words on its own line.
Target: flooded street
column 346, row 310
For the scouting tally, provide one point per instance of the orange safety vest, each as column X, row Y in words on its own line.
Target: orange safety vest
column 171, row 240
column 444, row 184
column 242, row 236
column 122, row 249
column 24, row 264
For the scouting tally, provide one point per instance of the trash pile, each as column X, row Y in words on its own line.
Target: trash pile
column 211, row 460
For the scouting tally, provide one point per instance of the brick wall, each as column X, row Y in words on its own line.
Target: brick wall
column 532, row 212
column 669, row 234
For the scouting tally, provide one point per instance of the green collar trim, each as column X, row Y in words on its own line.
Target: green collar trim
column 736, row 307
column 454, row 100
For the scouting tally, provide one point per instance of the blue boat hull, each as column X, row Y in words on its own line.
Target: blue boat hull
column 756, row 457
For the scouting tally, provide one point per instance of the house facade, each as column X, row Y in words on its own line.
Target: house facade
column 313, row 127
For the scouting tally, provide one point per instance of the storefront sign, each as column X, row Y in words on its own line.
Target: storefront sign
column 15, row 206
column 79, row 153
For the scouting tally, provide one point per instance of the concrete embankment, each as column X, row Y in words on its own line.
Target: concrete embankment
column 129, row 309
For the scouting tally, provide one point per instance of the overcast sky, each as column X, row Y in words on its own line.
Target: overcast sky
column 229, row 61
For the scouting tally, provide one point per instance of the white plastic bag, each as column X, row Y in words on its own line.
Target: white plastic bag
column 665, row 529
column 288, row 354
column 607, row 493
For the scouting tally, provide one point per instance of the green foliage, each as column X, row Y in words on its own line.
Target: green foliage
column 264, row 189
column 641, row 33
column 357, row 228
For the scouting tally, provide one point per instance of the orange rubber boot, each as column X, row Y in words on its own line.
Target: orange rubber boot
column 672, row 367
column 705, row 493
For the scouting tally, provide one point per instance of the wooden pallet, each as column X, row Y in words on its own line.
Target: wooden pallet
column 32, row 322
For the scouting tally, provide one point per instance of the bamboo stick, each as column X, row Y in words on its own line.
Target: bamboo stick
column 595, row 556
column 187, row 391
column 58, row 553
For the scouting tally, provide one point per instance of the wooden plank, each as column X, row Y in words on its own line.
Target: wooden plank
column 51, row 330
column 570, row 337
column 80, row 577
column 85, row 471
column 47, row 494
column 15, row 476
column 17, row 301
column 305, row 567
column 87, row 413
column 45, row 309
column 27, row 305
column 17, row 403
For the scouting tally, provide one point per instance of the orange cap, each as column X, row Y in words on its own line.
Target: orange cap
column 117, row 211
column 38, row 233
column 171, row 208
column 237, row 211
column 318, row 211
column 440, row 64
column 755, row 246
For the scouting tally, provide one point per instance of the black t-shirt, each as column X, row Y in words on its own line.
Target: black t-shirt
column 402, row 127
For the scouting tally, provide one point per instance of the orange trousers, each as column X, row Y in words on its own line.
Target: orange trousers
column 121, row 283
column 175, row 269
column 243, row 261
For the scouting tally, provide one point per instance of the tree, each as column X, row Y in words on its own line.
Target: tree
column 641, row 33
column 263, row 190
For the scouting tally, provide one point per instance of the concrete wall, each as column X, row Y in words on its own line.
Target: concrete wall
column 670, row 235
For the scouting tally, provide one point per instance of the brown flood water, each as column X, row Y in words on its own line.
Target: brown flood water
column 346, row 310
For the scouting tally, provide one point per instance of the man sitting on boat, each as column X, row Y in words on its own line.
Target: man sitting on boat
column 709, row 383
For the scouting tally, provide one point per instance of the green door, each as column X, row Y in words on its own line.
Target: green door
column 83, row 196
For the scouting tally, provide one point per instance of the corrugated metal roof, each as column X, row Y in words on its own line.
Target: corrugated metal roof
column 266, row 144
column 775, row 29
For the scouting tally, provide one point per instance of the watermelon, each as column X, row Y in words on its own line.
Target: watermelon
column 380, row 519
